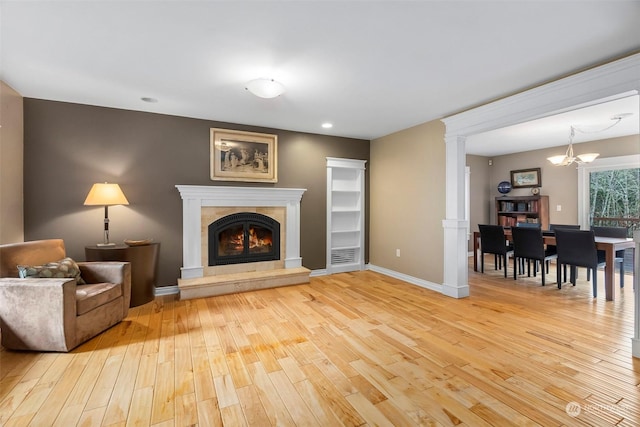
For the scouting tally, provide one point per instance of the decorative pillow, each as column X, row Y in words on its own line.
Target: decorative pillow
column 65, row 268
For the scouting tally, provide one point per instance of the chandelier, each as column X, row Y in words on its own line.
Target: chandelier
column 569, row 158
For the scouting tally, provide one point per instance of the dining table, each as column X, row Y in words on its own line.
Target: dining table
column 607, row 244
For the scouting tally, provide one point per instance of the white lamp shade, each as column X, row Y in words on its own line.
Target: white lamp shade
column 557, row 160
column 588, row 157
column 265, row 88
column 105, row 194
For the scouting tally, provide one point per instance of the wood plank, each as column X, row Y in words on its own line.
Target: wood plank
column 300, row 412
column 275, row 408
column 348, row 349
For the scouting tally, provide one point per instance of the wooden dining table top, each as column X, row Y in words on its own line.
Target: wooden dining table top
column 607, row 244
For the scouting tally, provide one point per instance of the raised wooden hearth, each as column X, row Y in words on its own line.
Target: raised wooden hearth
column 241, row 282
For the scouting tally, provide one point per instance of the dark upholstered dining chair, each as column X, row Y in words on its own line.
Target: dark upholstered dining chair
column 577, row 248
column 493, row 241
column 551, row 249
column 528, row 244
column 619, row 232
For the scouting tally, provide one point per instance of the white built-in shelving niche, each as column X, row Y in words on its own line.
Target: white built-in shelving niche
column 345, row 215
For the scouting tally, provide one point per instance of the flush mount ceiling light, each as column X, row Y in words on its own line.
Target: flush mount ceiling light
column 569, row 158
column 265, row 88
column 327, row 125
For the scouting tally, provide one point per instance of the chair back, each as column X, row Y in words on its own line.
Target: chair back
column 620, row 232
column 528, row 243
column 492, row 239
column 565, row 226
column 36, row 252
column 528, row 225
column 576, row 247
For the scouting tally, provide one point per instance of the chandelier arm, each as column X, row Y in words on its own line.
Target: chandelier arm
column 570, row 156
column 617, row 120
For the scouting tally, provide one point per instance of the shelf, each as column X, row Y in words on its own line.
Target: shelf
column 341, row 248
column 345, row 240
column 512, row 210
column 345, row 210
column 517, row 213
column 345, row 215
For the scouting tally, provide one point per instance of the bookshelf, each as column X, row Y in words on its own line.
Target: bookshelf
column 345, row 215
column 512, row 210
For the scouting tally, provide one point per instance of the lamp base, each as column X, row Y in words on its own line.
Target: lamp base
column 105, row 244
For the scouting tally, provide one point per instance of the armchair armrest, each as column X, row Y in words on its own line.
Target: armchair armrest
column 38, row 313
column 109, row 272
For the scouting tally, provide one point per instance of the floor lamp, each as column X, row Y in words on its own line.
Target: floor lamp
column 105, row 195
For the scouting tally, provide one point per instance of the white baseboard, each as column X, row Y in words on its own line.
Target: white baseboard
column 166, row 290
column 321, row 272
column 173, row 290
column 406, row 278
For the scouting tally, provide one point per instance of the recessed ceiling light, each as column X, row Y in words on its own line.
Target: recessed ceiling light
column 327, row 125
column 147, row 99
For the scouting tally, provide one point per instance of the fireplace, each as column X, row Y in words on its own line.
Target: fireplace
column 262, row 208
column 202, row 205
column 243, row 237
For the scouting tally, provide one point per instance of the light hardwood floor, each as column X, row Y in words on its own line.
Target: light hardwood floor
column 348, row 349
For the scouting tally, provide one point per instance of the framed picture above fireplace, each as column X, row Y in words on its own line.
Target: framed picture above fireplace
column 243, row 156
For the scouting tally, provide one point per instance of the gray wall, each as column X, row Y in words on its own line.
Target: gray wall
column 68, row 147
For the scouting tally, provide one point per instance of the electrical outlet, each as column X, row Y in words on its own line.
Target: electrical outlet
column 398, row 253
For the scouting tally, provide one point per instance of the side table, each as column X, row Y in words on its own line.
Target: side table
column 144, row 266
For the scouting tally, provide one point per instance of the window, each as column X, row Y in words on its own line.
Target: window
column 609, row 192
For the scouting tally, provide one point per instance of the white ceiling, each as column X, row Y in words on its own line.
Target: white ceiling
column 591, row 123
column 369, row 67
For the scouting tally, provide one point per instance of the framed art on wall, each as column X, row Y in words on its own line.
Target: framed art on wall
column 524, row 178
column 243, row 156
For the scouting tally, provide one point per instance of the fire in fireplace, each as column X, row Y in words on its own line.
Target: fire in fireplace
column 243, row 237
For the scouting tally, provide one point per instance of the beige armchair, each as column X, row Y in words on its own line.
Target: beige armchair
column 58, row 314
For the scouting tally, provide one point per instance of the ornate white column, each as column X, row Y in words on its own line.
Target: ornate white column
column 455, row 225
column 292, row 255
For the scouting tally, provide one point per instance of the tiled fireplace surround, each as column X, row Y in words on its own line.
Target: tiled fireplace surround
column 201, row 205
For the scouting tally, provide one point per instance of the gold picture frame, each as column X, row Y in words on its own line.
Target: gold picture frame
column 524, row 178
column 243, row 156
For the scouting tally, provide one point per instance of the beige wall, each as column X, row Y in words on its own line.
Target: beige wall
column 11, row 163
column 560, row 183
column 407, row 204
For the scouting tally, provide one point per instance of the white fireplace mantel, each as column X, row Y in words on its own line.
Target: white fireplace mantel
column 195, row 197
